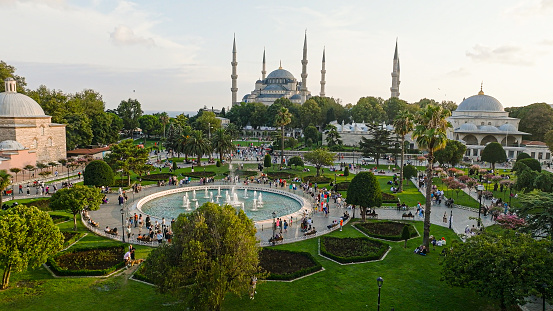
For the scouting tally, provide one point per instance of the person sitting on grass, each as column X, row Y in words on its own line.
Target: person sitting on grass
column 421, row 250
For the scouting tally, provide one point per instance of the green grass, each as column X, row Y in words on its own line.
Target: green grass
column 460, row 197
column 410, row 195
column 248, row 143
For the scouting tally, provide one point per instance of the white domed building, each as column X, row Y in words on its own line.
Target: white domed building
column 481, row 119
column 25, row 129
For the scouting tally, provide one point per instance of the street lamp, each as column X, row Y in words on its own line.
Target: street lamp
column 479, row 188
column 379, row 282
column 122, row 225
column 544, row 291
column 335, row 185
column 274, row 227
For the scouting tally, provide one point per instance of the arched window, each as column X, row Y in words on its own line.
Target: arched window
column 49, row 142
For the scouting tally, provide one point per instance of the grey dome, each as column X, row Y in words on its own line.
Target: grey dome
column 468, row 127
column 480, row 102
column 508, row 128
column 280, row 74
column 8, row 145
column 274, row 87
column 14, row 104
column 489, row 128
column 296, row 96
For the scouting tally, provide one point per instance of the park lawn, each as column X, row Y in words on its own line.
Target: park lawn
column 410, row 195
column 411, row 282
column 248, row 143
column 461, row 198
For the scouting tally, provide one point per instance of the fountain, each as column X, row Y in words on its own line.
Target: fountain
column 260, row 199
column 245, row 193
column 206, row 194
column 218, row 192
column 211, row 197
column 197, row 205
column 254, row 208
column 255, row 193
column 194, row 196
column 186, row 201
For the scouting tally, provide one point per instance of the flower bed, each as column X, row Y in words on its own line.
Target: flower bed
column 157, row 177
column 287, row 265
column 280, row 175
column 88, row 262
column 386, row 230
column 389, row 198
column 343, row 186
column 69, row 237
column 199, row 174
column 315, row 179
column 349, row 250
column 59, row 218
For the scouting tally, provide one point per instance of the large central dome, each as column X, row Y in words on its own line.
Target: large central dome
column 13, row 104
column 280, row 74
column 480, row 102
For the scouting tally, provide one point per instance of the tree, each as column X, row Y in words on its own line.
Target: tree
column 525, row 178
column 523, row 155
column 28, row 236
column 544, row 181
column 379, row 142
column 430, row 134
column 5, row 182
column 532, row 163
column 127, row 157
column 452, row 154
column 536, row 208
column 29, row 168
column 369, row 110
column 283, row 118
column 494, row 153
column 197, row 145
column 78, row 131
column 403, row 125
column 164, row 119
column 98, row 173
column 130, row 111
column 207, row 122
column 267, row 161
column 75, row 200
column 409, row 171
column 506, row 267
column 405, row 235
column 332, row 136
column 319, row 158
column 149, row 124
column 214, row 252
column 7, row 71
column 311, row 135
column 310, row 113
column 536, row 119
column 296, row 161
column 222, row 143
column 16, row 171
column 364, row 191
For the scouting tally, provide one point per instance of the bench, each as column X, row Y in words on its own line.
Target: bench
column 310, row 232
column 372, row 215
column 410, row 215
column 277, row 239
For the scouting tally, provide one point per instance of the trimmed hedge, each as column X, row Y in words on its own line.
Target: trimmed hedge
column 83, row 272
column 305, row 271
column 343, row 186
column 389, row 198
column 280, row 175
column 363, row 227
column 74, row 238
column 315, row 179
column 139, row 275
column 157, row 177
column 382, row 248
column 59, row 218
column 199, row 174
column 42, row 204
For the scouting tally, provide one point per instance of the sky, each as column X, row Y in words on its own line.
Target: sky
column 175, row 55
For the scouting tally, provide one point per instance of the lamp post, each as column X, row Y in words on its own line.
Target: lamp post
column 335, row 185
column 544, row 290
column 379, row 282
column 274, row 227
column 122, row 225
column 479, row 188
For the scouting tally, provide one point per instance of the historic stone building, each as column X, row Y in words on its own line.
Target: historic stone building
column 22, row 120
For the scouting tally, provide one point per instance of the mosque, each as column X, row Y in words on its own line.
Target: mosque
column 27, row 135
column 279, row 83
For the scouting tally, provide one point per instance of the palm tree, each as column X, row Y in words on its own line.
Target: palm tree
column 198, row 145
column 164, row 118
column 283, row 118
column 5, row 181
column 403, row 124
column 41, row 166
column 29, row 168
column 430, row 134
column 16, row 171
column 222, row 143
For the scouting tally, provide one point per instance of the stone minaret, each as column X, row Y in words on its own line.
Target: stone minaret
column 395, row 75
column 263, row 71
column 304, row 71
column 323, row 72
column 234, row 76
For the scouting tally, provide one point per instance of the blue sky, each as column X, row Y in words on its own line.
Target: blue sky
column 175, row 55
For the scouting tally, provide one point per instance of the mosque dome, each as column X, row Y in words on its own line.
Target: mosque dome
column 480, row 102
column 508, row 128
column 468, row 127
column 296, row 96
column 489, row 128
column 10, row 145
column 280, row 74
column 13, row 104
column 274, row 87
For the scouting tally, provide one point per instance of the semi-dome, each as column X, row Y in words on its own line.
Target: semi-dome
column 489, row 128
column 13, row 104
column 10, row 145
column 280, row 74
column 468, row 127
column 296, row 96
column 508, row 128
column 480, row 102
column 274, row 87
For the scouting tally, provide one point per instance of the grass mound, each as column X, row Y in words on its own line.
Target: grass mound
column 287, row 265
column 349, row 250
column 386, row 230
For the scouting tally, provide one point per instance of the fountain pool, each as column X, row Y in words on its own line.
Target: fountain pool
column 258, row 205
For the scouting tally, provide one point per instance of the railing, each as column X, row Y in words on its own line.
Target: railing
column 118, row 237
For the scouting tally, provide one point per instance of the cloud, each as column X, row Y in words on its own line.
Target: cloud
column 123, row 35
column 505, row 54
column 459, row 72
column 547, row 42
column 528, row 9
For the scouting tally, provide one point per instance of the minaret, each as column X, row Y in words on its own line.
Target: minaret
column 263, row 71
column 234, row 76
column 395, row 75
column 323, row 72
column 304, row 71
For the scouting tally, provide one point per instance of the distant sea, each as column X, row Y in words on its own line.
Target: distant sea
column 172, row 114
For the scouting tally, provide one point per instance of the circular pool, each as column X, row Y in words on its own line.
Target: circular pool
column 258, row 203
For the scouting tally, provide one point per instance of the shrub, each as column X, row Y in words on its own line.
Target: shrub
column 409, row 171
column 337, row 148
column 346, row 171
column 342, row 186
column 139, row 275
column 523, row 155
column 157, row 177
column 319, row 179
column 287, row 265
column 533, row 164
column 175, row 166
column 218, row 164
column 88, row 261
column 389, row 198
column 98, row 173
column 386, row 230
column 348, row 250
column 199, row 174
column 41, row 204
column 280, row 175
column 267, row 161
